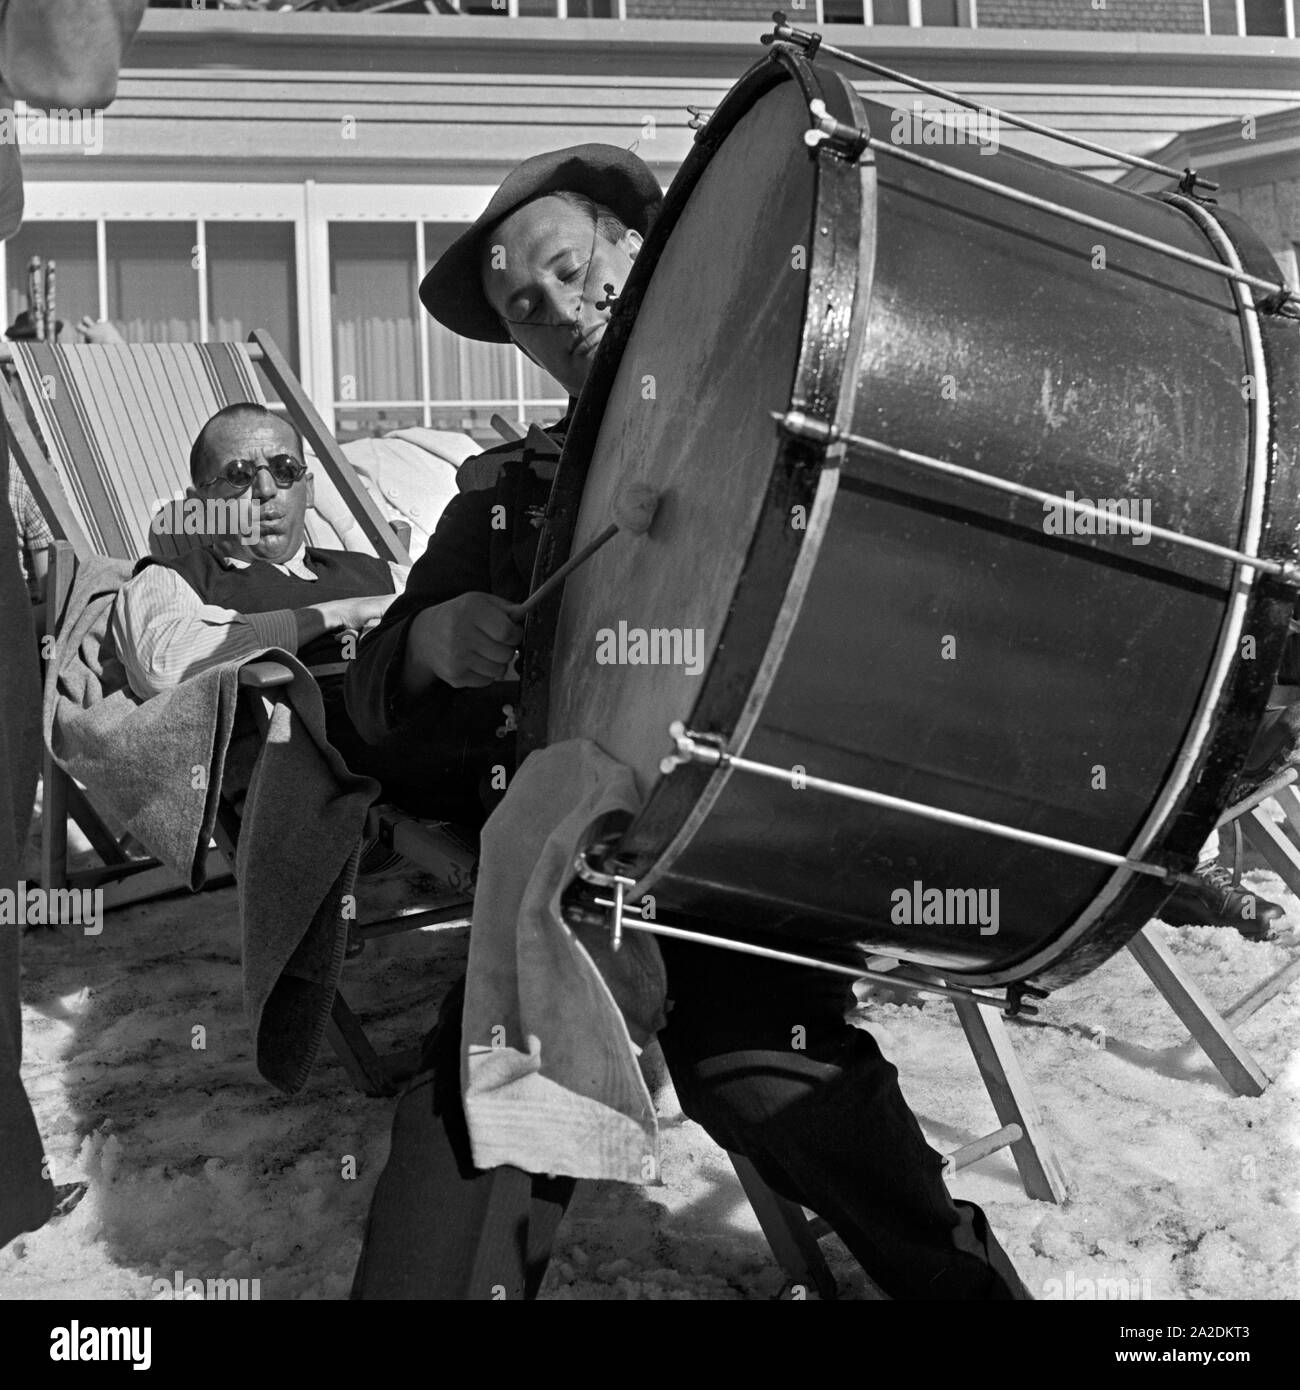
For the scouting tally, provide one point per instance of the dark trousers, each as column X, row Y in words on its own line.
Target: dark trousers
column 26, row 1193
column 760, row 1056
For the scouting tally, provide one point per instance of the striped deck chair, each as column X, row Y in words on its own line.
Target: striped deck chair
column 115, row 423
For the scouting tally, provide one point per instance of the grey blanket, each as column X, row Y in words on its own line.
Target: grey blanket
column 158, row 766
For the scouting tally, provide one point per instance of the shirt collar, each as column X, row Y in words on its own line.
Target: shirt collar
column 296, row 565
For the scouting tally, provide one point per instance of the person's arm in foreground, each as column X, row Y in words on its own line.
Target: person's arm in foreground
column 447, row 631
column 164, row 632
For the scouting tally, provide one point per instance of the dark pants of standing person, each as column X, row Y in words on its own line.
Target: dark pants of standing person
column 824, row 1123
column 26, row 1193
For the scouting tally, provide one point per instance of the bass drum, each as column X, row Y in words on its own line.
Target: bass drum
column 845, row 614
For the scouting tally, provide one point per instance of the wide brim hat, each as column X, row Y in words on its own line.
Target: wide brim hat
column 452, row 291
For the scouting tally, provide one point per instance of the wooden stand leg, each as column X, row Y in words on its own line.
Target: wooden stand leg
column 1289, row 800
column 1012, row 1100
column 1278, row 849
column 1201, row 1019
column 788, row 1231
column 360, row 1060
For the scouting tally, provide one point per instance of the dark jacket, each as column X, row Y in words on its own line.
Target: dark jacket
column 486, row 541
column 261, row 588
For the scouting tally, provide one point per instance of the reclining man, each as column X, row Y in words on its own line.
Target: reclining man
column 827, row 1125
column 257, row 584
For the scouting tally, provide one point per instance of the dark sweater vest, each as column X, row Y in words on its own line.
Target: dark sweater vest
column 261, row 588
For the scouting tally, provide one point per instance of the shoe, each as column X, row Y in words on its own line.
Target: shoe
column 1219, row 902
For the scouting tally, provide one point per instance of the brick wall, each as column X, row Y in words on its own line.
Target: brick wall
column 733, row 10
column 1150, row 16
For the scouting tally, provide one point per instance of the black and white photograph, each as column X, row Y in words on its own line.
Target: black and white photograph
column 649, row 650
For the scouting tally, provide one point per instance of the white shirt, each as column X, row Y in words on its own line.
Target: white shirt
column 164, row 632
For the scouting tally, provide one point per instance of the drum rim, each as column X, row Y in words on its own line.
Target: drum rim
column 1215, row 747
column 679, row 801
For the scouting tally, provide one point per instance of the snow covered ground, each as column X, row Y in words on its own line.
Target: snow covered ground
column 194, row 1164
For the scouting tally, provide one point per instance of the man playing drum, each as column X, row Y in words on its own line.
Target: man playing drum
column 826, row 1125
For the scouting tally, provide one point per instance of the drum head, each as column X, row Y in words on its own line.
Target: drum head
column 713, row 350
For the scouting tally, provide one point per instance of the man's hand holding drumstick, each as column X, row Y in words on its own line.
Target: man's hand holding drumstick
column 471, row 640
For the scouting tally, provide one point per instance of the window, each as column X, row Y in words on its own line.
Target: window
column 394, row 366
column 164, row 281
column 153, row 283
column 71, row 247
column 545, row 9
column 252, row 282
column 929, row 13
column 1266, row 18
column 376, row 355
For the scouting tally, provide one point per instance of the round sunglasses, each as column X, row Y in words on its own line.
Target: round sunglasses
column 239, row 474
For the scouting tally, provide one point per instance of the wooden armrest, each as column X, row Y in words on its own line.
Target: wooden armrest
column 264, row 675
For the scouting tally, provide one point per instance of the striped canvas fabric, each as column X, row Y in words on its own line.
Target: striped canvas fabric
column 117, row 422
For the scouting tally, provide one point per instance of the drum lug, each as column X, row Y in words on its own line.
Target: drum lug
column 847, row 140
column 797, row 38
column 804, row 426
column 692, row 747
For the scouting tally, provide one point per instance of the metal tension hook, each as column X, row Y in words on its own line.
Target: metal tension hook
column 848, row 140
column 693, row 747
column 620, row 883
column 786, row 33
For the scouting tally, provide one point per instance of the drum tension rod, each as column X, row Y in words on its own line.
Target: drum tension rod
column 804, row 426
column 1188, row 179
column 787, row 33
column 1012, row 1003
column 710, row 749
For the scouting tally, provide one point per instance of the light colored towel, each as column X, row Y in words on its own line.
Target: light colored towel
column 554, row 1019
column 158, row 765
column 411, row 476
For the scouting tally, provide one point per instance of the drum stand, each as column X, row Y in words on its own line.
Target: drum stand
column 791, row 1233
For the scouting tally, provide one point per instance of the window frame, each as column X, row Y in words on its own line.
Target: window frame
column 310, row 207
column 415, row 206
column 1288, row 10
column 199, row 204
column 967, row 14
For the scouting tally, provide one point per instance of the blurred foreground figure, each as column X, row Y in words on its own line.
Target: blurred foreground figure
column 53, row 53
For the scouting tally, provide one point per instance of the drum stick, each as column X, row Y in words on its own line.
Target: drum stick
column 634, row 512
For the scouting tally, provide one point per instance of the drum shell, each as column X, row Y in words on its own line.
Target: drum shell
column 947, row 650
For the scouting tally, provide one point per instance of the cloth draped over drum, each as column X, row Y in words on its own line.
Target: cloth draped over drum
column 554, row 1019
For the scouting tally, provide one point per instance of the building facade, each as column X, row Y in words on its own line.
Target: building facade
column 298, row 171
